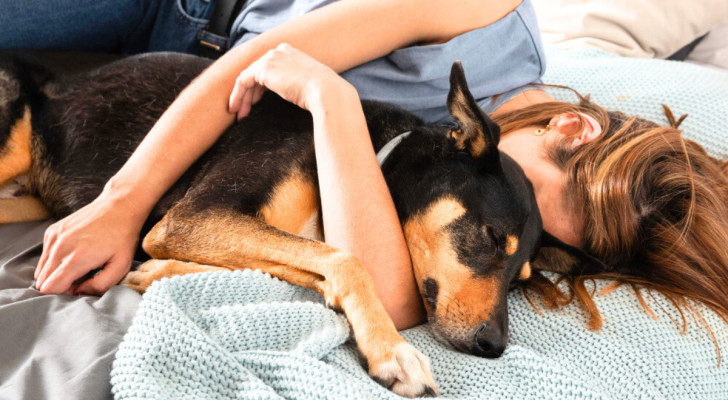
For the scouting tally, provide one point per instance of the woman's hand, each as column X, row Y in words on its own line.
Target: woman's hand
column 292, row 74
column 102, row 234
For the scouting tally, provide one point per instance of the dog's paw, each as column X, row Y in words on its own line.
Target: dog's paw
column 139, row 281
column 407, row 373
column 154, row 270
column 141, row 278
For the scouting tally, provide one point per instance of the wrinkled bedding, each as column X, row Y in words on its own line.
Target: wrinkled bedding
column 54, row 347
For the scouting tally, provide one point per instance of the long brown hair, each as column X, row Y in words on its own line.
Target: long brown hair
column 654, row 206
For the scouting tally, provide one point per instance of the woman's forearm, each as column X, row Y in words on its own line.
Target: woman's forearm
column 358, row 212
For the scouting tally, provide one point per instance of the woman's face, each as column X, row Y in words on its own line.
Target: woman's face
column 549, row 182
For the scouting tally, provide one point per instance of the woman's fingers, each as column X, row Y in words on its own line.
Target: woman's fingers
column 49, row 238
column 109, row 276
column 62, row 276
column 259, row 90
column 247, row 104
column 241, row 98
column 283, row 70
column 52, row 260
column 63, row 269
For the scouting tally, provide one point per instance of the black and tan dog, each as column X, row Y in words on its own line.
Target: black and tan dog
column 468, row 212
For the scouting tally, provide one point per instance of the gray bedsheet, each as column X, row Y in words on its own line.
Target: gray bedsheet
column 54, row 347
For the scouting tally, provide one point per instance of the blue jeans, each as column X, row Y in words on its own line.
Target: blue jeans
column 118, row 26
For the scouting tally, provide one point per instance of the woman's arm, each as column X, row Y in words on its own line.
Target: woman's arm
column 358, row 212
column 341, row 35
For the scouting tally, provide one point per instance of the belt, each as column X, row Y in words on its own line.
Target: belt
column 214, row 38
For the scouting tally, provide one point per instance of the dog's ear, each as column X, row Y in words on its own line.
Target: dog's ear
column 476, row 133
column 555, row 255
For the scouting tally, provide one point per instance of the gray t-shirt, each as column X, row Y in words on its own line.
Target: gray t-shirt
column 501, row 58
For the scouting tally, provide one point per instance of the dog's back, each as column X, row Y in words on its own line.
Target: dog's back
column 87, row 125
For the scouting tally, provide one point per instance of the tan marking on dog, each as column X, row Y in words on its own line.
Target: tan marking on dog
column 478, row 297
column 525, row 271
column 293, row 207
column 22, row 209
column 15, row 156
column 442, row 212
column 234, row 240
column 464, row 300
column 477, row 143
column 511, row 245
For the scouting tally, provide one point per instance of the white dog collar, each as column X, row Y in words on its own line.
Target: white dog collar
column 384, row 152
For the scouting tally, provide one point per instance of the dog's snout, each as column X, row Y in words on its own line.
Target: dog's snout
column 490, row 340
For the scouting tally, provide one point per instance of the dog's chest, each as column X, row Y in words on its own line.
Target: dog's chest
column 293, row 206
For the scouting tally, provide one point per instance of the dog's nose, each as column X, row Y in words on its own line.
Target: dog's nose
column 490, row 340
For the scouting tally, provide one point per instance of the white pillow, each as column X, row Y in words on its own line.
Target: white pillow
column 633, row 28
column 713, row 50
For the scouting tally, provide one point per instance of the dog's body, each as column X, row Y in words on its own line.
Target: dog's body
column 468, row 212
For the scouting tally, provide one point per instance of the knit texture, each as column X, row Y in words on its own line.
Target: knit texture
column 246, row 335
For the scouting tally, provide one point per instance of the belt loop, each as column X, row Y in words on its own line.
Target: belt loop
column 214, row 39
column 211, row 45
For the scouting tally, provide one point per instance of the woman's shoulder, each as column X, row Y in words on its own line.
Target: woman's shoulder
column 499, row 59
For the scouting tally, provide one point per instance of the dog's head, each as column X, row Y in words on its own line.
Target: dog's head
column 471, row 223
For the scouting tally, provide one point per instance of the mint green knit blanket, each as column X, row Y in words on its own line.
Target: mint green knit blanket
column 246, row 335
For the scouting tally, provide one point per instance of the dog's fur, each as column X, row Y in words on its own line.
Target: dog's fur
column 468, row 212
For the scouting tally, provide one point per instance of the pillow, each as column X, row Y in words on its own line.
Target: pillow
column 639, row 86
column 644, row 28
column 713, row 49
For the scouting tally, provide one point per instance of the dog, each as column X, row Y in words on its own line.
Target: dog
column 468, row 212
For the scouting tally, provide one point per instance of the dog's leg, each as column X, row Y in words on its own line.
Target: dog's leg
column 234, row 240
column 154, row 270
column 22, row 209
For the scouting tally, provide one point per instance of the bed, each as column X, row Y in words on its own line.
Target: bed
column 244, row 334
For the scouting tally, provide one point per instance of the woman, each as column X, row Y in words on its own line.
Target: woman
column 532, row 124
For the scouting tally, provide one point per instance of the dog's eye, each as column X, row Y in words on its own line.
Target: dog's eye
column 497, row 242
column 489, row 233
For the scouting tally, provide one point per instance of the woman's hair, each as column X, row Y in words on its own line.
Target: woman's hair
column 654, row 208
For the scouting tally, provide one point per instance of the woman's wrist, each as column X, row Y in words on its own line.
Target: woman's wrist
column 126, row 198
column 325, row 94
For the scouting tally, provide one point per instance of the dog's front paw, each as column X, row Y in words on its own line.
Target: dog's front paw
column 141, row 278
column 154, row 270
column 406, row 373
